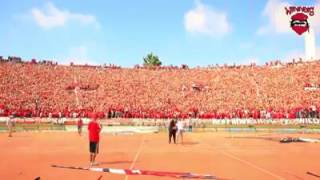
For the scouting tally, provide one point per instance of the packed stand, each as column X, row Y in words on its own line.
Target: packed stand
column 275, row 90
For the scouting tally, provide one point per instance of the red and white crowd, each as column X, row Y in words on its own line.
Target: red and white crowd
column 272, row 91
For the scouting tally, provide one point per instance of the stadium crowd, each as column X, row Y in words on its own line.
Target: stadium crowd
column 46, row 89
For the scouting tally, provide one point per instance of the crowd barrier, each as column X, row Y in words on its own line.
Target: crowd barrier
column 164, row 122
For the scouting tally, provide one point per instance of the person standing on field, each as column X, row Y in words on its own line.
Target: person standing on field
column 10, row 125
column 94, row 129
column 80, row 124
column 180, row 128
column 172, row 131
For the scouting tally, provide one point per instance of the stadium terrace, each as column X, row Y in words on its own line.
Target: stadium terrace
column 46, row 89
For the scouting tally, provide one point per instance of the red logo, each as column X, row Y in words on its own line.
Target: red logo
column 299, row 21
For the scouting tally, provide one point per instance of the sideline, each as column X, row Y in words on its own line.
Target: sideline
column 136, row 156
column 245, row 162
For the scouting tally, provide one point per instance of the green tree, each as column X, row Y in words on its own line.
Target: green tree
column 151, row 60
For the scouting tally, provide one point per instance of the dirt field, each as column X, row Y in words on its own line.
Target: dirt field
column 225, row 155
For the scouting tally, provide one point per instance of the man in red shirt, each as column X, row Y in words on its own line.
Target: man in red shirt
column 94, row 129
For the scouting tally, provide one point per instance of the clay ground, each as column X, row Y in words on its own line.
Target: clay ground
column 28, row 155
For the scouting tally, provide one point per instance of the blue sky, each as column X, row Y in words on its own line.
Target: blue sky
column 122, row 32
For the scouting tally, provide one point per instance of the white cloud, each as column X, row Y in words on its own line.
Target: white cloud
column 78, row 55
column 315, row 20
column 205, row 20
column 279, row 21
column 50, row 16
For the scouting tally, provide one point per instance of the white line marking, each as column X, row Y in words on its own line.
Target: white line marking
column 96, row 169
column 251, row 164
column 136, row 156
column 246, row 162
column 117, row 171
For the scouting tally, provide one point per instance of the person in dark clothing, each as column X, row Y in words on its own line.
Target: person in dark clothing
column 80, row 124
column 172, row 131
column 10, row 125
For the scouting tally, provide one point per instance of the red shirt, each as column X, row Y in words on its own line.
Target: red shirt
column 94, row 131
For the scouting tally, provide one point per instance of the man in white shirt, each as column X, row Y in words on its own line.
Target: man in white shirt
column 180, row 128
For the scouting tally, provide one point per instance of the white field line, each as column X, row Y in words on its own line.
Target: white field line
column 136, row 156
